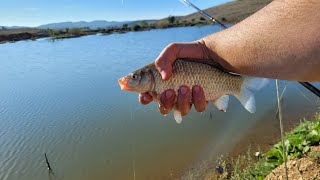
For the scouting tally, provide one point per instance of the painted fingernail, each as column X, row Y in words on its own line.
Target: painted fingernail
column 196, row 89
column 169, row 94
column 183, row 90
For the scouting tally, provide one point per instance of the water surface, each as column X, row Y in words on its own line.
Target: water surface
column 62, row 98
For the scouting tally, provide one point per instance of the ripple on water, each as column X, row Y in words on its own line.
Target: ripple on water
column 62, row 98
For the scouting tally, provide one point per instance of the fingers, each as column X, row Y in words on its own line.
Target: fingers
column 183, row 100
column 145, row 98
column 167, row 101
column 199, row 99
column 175, row 51
column 183, row 105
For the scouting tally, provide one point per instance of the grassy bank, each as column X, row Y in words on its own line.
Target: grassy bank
column 302, row 147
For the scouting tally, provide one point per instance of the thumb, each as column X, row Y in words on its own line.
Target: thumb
column 165, row 68
column 166, row 59
column 174, row 51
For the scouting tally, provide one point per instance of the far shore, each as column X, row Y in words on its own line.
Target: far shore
column 14, row 35
column 228, row 13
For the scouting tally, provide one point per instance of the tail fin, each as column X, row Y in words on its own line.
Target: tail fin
column 246, row 97
column 255, row 84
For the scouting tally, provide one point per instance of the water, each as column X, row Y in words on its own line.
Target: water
column 62, row 98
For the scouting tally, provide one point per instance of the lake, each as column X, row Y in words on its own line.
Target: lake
column 62, row 98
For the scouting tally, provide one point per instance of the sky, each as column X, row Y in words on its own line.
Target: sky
column 38, row 12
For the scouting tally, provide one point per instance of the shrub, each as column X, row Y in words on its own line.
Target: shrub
column 171, row 19
column 136, row 27
column 125, row 25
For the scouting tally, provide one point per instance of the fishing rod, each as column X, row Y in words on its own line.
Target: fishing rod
column 307, row 85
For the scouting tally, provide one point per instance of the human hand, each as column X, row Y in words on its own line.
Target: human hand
column 194, row 50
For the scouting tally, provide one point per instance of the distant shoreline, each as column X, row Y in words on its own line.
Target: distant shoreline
column 228, row 13
column 14, row 35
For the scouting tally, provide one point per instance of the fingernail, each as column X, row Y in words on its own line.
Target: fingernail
column 145, row 98
column 169, row 94
column 183, row 90
column 163, row 74
column 161, row 105
column 196, row 89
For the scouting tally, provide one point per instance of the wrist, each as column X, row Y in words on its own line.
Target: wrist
column 214, row 53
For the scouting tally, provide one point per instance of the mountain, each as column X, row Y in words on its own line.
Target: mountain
column 91, row 25
column 12, row 27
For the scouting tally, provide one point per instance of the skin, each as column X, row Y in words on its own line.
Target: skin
column 281, row 41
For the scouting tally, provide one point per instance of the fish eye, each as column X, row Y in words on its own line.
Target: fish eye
column 134, row 76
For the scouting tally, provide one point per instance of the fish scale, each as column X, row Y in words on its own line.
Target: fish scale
column 214, row 82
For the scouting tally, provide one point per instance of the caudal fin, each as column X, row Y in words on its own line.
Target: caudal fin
column 255, row 84
column 246, row 97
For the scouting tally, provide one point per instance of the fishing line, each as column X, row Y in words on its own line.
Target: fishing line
column 132, row 111
column 303, row 95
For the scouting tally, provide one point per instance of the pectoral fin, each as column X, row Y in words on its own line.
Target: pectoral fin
column 177, row 116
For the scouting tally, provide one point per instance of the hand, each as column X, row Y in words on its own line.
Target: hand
column 194, row 50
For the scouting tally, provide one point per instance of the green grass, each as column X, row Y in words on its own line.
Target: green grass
column 297, row 142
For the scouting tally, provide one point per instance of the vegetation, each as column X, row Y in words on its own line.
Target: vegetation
column 143, row 23
column 231, row 12
column 136, row 27
column 171, row 19
column 125, row 25
column 297, row 143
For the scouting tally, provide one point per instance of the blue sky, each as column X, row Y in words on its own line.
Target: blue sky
column 37, row 12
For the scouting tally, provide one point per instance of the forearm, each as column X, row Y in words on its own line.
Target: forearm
column 280, row 41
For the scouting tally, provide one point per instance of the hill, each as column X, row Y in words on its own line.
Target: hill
column 231, row 12
column 92, row 25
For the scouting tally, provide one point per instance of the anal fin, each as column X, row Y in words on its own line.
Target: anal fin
column 222, row 103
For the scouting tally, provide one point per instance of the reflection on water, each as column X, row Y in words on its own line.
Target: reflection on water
column 62, row 98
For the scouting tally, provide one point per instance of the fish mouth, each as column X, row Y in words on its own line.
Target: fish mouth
column 123, row 82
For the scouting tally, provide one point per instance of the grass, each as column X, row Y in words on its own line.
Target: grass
column 297, row 142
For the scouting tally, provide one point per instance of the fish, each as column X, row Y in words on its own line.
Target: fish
column 217, row 83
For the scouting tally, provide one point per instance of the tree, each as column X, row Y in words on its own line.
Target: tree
column 143, row 23
column 3, row 28
column 136, row 27
column 171, row 19
column 75, row 31
column 202, row 19
column 125, row 26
